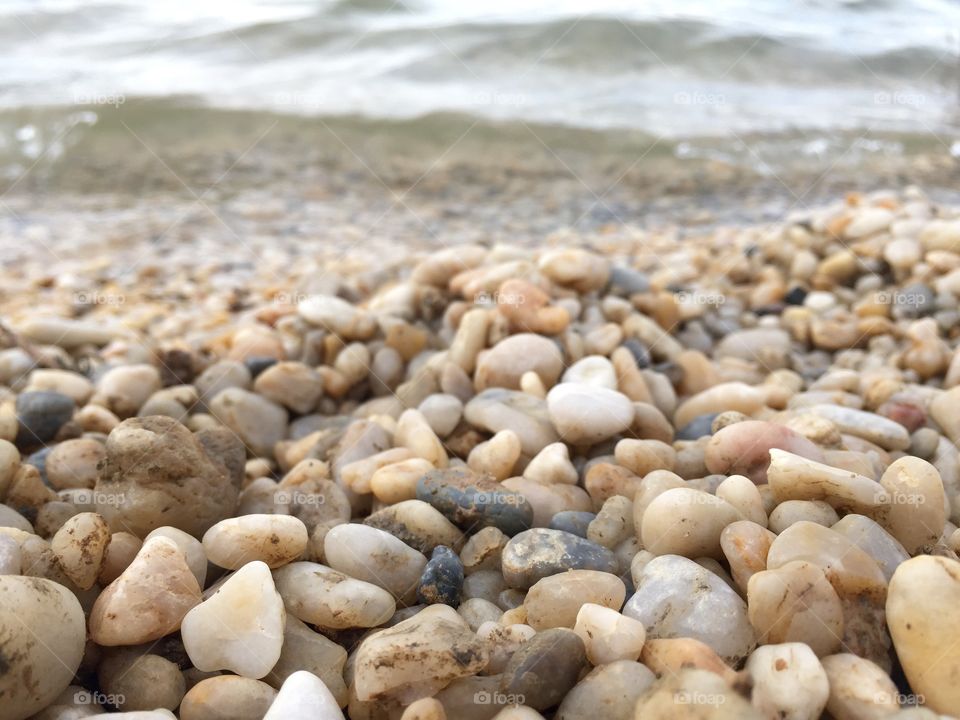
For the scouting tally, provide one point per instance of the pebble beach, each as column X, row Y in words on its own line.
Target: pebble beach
column 615, row 473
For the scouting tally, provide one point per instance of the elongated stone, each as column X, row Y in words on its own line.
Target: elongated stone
column 322, row 596
column 535, row 554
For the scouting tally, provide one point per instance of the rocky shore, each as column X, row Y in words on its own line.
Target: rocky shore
column 635, row 475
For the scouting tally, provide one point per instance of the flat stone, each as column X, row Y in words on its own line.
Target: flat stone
column 41, row 414
column 676, row 597
column 870, row 426
column 294, row 385
column 375, row 556
column 140, row 681
column 43, row 636
column 272, row 539
column 329, row 599
column 472, row 502
column 148, row 600
column 744, row 448
column 538, row 553
column 239, row 627
column 545, row 668
column 417, row 656
column 338, row 316
column 123, row 389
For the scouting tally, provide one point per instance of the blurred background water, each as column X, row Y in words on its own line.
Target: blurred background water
column 758, row 83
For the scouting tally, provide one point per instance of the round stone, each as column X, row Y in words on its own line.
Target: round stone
column 538, row 553
column 585, row 414
column 272, row 539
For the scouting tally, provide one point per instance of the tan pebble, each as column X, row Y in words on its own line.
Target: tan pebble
column 120, row 552
column 742, row 493
column 644, row 456
column 915, row 514
column 607, row 635
column 497, row 456
column 745, row 545
column 796, row 603
column 686, row 522
column 358, row 475
column 272, row 539
column 552, row 465
column 859, row 689
column 792, row 511
column 397, row 481
column 555, row 601
column 605, row 479
column 227, row 697
column 80, row 546
column 424, row 709
column 73, row 463
column 414, row 433
column 149, row 598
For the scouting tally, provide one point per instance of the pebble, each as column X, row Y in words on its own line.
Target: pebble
column 572, row 521
column 915, row 514
column 184, row 485
column 41, row 414
column 607, row 635
column 579, row 269
column 122, row 390
column 870, row 537
column 304, row 695
column 698, row 427
column 414, row 433
column 744, row 448
column 472, row 502
column 642, row 457
column 859, row 688
column 76, row 387
column 322, row 596
column 497, row 456
column 259, row 423
column 417, row 656
column 418, row 524
column 44, row 633
column 80, row 546
column 481, row 552
column 615, row 686
column 497, row 409
column 442, row 578
column 145, row 682
column 869, row 426
column 503, row 365
column 192, row 549
column 227, row 697
column 271, row 539
column 73, row 463
column 586, row 414
column 338, row 316
column 556, row 600
column 442, row 412
column 706, row 692
column 684, row 521
column 676, row 597
column 545, row 668
column 294, row 385
column 239, row 627
column 376, row 557
column 397, row 481
column 535, row 554
column 922, row 607
column 552, row 465
column 593, row 370
column 148, row 600
column 788, row 682
column 304, row 649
